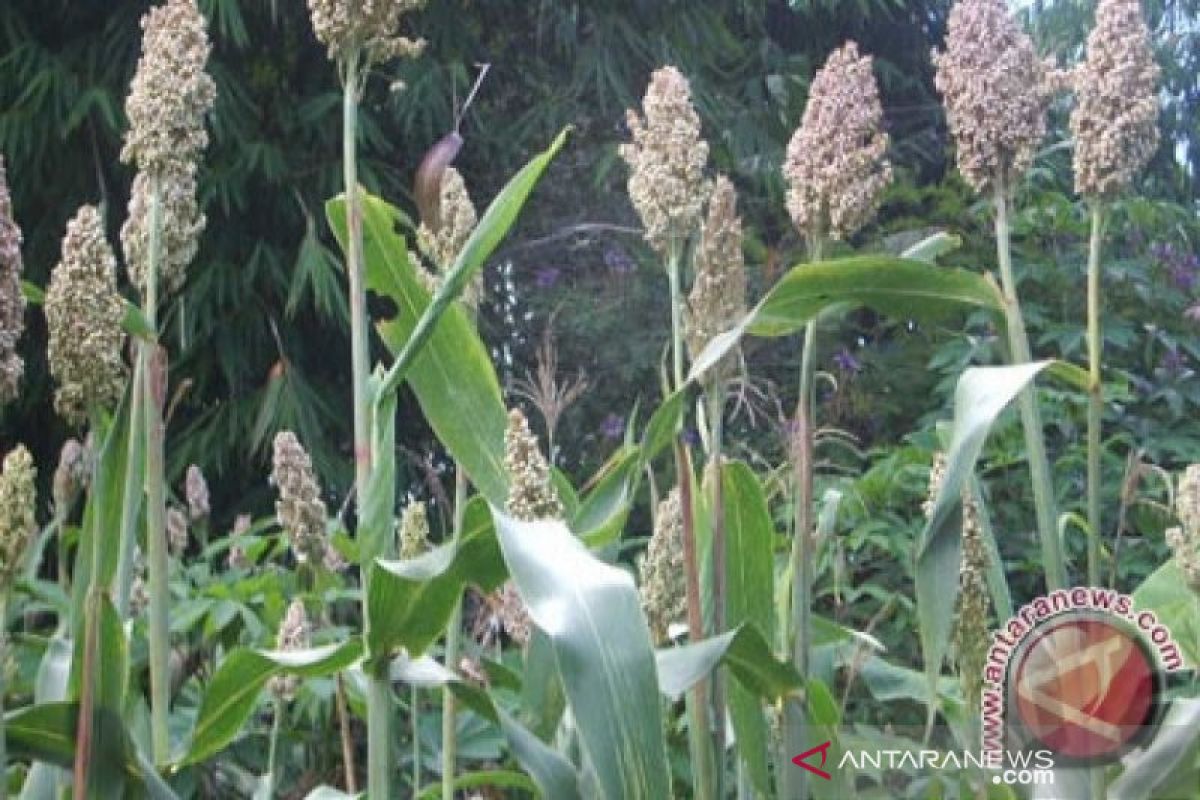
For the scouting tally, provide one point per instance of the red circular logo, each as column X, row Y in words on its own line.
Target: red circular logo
column 1085, row 688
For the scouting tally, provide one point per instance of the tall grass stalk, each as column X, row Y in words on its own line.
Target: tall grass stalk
column 1031, row 421
column 379, row 692
column 154, row 373
column 1095, row 344
column 453, row 643
column 700, row 743
column 715, row 398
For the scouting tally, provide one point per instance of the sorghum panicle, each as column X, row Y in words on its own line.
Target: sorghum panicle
column 718, row 296
column 18, row 501
column 171, row 93
column 139, row 589
column 70, row 476
column 12, row 301
column 971, row 638
column 300, row 509
column 456, row 220
column 295, row 633
column 1115, row 119
column 1185, row 540
column 236, row 558
column 177, row 531
column 84, row 314
column 531, row 493
column 369, row 26
column 666, row 161
column 662, row 583
column 995, row 90
column 196, row 490
column 836, row 166
column 182, row 224
column 414, row 530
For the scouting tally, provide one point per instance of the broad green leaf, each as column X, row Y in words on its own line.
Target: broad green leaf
column 498, row 778
column 750, row 585
column 664, row 425
column 542, row 697
column 1171, row 759
column 591, row 613
column 982, row 393
column 409, row 602
column 743, row 651
column 604, row 509
column 112, row 669
column 889, row 285
column 377, row 522
column 234, row 690
column 1164, row 592
column 436, row 347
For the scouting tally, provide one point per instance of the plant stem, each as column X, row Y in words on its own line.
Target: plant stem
column 3, row 689
column 700, row 742
column 273, row 753
column 453, row 640
column 715, row 397
column 414, row 710
column 154, row 374
column 1095, row 343
column 131, row 497
column 379, row 733
column 1035, row 445
column 347, row 740
column 796, row 711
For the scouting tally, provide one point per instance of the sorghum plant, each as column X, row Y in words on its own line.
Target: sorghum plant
column 1115, row 123
column 836, row 170
column 12, row 301
column 18, row 526
column 996, row 92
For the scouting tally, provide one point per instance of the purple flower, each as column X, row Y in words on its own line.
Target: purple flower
column 613, row 427
column 846, row 362
column 547, row 277
column 617, row 260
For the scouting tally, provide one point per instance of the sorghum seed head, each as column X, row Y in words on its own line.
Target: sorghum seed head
column 300, row 509
column 995, row 90
column 662, row 586
column 18, row 501
column 718, row 296
column 666, row 161
column 139, row 592
column 348, row 26
column 84, row 314
column 196, row 490
column 457, row 220
column 70, row 476
column 1185, row 540
column 171, row 93
column 236, row 557
column 836, row 166
column 12, row 301
column 512, row 613
column 295, row 633
column 177, row 531
column 531, row 493
column 182, row 224
column 414, row 530
column 970, row 637
column 1115, row 119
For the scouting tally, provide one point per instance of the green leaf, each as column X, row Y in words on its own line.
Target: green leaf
column 233, row 692
column 889, row 285
column 1164, row 592
column 591, row 613
column 409, row 602
column 664, row 425
column 933, row 246
column 135, row 323
column 743, row 650
column 982, row 393
column 498, row 778
column 750, row 585
column 113, row 659
column 603, row 511
column 376, row 531
column 1148, row 771
column 34, row 294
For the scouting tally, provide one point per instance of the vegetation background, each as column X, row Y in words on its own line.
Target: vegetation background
column 264, row 306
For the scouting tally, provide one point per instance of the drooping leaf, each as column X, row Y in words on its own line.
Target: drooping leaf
column 604, row 509
column 233, row 692
column 591, row 613
column 1165, row 760
column 743, row 650
column 889, row 285
column 982, row 393
column 409, row 602
column 750, row 587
